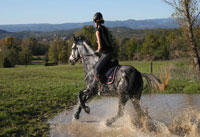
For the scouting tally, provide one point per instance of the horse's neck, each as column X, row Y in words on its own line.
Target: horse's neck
column 88, row 59
column 89, row 64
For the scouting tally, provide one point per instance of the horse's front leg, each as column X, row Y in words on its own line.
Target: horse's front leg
column 83, row 96
column 77, row 113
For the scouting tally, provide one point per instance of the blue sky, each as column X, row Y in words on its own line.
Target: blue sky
column 63, row 11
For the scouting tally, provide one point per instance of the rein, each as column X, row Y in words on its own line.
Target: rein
column 89, row 55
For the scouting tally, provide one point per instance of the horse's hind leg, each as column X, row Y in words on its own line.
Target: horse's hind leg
column 139, row 111
column 121, row 106
column 143, row 120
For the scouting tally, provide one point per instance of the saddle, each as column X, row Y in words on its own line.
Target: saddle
column 108, row 72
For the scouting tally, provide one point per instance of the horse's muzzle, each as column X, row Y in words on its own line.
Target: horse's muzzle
column 72, row 62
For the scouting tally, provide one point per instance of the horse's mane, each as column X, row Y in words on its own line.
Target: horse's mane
column 87, row 41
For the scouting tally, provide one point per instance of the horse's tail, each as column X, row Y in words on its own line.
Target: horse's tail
column 153, row 82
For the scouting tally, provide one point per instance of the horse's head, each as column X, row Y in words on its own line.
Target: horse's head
column 75, row 54
column 80, row 49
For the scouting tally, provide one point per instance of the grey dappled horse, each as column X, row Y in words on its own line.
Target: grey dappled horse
column 128, row 82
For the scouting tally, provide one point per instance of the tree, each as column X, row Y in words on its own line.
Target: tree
column 122, row 49
column 25, row 54
column 89, row 33
column 130, row 48
column 150, row 45
column 10, row 47
column 36, row 47
column 1, row 54
column 163, row 50
column 42, row 47
column 113, row 43
column 32, row 43
column 187, row 13
column 58, row 51
column 177, row 44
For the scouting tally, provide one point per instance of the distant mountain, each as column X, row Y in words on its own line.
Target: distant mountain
column 118, row 32
column 134, row 24
column 3, row 31
column 144, row 24
column 64, row 34
column 42, row 27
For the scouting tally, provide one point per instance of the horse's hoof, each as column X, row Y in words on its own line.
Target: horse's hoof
column 76, row 116
column 87, row 110
column 108, row 123
column 74, row 119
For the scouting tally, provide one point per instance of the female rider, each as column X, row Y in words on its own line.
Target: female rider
column 104, row 46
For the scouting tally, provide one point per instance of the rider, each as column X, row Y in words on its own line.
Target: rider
column 104, row 45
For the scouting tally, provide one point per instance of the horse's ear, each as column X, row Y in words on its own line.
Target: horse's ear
column 75, row 39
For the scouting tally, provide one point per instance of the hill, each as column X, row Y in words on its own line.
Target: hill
column 118, row 32
column 3, row 31
column 133, row 24
column 65, row 34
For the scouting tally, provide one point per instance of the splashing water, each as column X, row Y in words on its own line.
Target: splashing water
column 171, row 115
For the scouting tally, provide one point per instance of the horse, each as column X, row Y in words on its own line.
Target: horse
column 128, row 83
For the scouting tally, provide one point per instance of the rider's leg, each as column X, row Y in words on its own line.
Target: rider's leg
column 104, row 59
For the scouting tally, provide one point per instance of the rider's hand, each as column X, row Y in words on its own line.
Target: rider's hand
column 96, row 53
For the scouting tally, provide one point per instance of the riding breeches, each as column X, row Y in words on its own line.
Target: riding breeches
column 104, row 59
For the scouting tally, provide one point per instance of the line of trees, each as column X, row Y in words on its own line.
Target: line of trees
column 165, row 45
column 16, row 51
column 168, row 44
column 162, row 46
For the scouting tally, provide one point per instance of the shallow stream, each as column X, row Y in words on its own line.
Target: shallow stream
column 171, row 114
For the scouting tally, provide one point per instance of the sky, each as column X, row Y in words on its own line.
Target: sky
column 68, row 11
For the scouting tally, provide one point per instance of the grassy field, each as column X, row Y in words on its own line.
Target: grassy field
column 29, row 95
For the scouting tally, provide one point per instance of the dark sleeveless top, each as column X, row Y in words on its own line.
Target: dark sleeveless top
column 105, row 43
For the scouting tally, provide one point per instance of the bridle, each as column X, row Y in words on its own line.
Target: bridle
column 76, row 48
column 73, row 52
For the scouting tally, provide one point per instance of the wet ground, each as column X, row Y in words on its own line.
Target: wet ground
column 171, row 114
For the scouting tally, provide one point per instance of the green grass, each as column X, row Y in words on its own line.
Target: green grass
column 30, row 95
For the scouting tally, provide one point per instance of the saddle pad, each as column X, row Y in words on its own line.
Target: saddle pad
column 110, row 75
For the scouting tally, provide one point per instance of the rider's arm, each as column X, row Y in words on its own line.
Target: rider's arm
column 98, row 41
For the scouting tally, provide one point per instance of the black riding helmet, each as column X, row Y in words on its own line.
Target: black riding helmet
column 97, row 16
